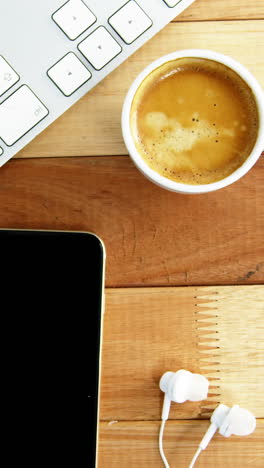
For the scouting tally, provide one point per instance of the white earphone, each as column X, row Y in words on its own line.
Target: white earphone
column 183, row 385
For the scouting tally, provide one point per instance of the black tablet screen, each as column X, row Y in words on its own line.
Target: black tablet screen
column 51, row 286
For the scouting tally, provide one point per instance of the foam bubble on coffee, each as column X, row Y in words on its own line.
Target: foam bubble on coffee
column 168, row 138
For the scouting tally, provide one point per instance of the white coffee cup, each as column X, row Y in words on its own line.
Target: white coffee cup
column 164, row 181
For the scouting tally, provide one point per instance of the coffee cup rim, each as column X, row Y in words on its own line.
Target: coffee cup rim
column 169, row 184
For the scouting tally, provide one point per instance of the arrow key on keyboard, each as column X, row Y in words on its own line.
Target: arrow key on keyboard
column 130, row 21
column 74, row 17
column 69, row 74
column 99, row 48
column 172, row 3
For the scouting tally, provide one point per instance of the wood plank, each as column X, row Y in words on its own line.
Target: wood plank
column 135, row 445
column 147, row 332
column 92, row 126
column 239, row 329
column 152, row 236
column 216, row 331
column 202, row 10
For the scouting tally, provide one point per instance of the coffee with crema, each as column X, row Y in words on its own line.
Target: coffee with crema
column 194, row 120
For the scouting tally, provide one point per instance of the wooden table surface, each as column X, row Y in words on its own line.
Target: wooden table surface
column 77, row 175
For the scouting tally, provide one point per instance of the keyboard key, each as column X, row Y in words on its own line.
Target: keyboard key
column 69, row 74
column 74, row 17
column 1, row 151
column 130, row 21
column 172, row 3
column 99, row 48
column 19, row 113
column 8, row 76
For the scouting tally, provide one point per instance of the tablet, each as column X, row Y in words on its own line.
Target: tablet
column 52, row 299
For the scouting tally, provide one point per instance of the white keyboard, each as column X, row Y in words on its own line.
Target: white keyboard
column 53, row 52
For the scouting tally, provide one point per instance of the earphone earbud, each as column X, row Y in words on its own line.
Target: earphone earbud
column 178, row 387
column 181, row 386
column 228, row 421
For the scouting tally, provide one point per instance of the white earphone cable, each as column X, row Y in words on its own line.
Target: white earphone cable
column 196, row 455
column 161, row 444
column 162, row 454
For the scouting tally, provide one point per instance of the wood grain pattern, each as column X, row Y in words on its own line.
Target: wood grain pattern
column 239, row 316
column 202, row 10
column 135, row 445
column 147, row 331
column 92, row 125
column 215, row 331
column 152, row 236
